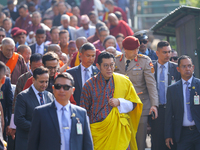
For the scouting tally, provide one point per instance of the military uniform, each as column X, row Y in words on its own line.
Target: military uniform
column 141, row 73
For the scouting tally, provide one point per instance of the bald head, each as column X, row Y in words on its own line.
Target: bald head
column 113, row 20
column 80, row 41
column 56, row 49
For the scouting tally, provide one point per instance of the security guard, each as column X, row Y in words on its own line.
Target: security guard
column 143, row 38
column 139, row 69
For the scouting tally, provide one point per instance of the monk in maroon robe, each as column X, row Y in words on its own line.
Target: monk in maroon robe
column 119, row 26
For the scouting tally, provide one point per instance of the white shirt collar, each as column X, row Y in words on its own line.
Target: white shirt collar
column 190, row 81
column 35, row 90
column 166, row 65
column 42, row 45
column 59, row 106
column 89, row 68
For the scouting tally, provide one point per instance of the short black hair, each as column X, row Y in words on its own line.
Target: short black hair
column 7, row 13
column 91, row 13
column 40, row 31
column 7, row 19
column 103, row 28
column 110, row 2
column 120, row 35
column 66, row 76
column 2, row 66
column 100, row 24
column 162, row 44
column 105, row 55
column 9, row 2
column 87, row 46
column 48, row 57
column 35, row 57
column 54, row 27
column 24, row 6
column 40, row 70
column 63, row 32
column 183, row 57
column 118, row 14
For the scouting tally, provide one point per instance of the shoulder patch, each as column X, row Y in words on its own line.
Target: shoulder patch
column 150, row 64
column 143, row 56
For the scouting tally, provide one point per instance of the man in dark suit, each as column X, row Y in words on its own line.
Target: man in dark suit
column 60, row 125
column 171, row 75
column 39, row 46
column 85, row 70
column 26, row 101
column 182, row 118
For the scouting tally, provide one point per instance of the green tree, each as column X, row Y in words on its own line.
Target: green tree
column 194, row 3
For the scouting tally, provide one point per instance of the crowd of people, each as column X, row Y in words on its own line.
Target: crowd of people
column 74, row 76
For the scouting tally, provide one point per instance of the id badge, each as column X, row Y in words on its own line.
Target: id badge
column 1, row 95
column 79, row 128
column 196, row 99
column 172, row 82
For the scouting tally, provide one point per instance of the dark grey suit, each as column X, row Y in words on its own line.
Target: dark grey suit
column 26, row 102
column 33, row 48
column 157, row 125
column 76, row 73
column 45, row 131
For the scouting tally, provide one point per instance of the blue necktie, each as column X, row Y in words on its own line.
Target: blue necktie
column 162, row 85
column 66, row 131
column 187, row 93
column 41, row 98
column 86, row 74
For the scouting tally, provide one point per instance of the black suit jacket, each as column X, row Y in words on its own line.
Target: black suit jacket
column 26, row 102
column 175, row 108
column 172, row 72
column 76, row 73
column 45, row 131
column 33, row 48
column 7, row 102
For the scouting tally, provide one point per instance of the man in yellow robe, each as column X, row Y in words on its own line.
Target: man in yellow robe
column 113, row 107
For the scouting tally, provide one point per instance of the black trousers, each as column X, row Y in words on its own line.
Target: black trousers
column 189, row 140
column 157, row 132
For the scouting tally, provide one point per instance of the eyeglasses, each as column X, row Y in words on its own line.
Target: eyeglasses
column 144, row 41
column 186, row 66
column 65, row 87
column 2, row 36
column 106, row 66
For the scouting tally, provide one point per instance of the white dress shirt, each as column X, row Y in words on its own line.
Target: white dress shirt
column 68, row 116
column 40, row 48
column 36, row 93
column 159, row 69
column 186, row 122
column 83, row 73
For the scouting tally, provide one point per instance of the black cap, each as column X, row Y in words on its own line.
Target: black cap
column 141, row 35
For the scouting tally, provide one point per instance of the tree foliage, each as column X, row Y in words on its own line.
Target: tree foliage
column 194, row 3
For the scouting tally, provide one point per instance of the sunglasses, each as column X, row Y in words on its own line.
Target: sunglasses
column 2, row 36
column 174, row 58
column 65, row 87
column 144, row 41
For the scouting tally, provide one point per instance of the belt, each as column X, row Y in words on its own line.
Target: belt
column 190, row 127
column 162, row 106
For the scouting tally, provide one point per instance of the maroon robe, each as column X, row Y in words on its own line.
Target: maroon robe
column 21, row 23
column 123, row 28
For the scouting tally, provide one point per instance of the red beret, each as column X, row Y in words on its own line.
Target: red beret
column 20, row 32
column 130, row 43
column 14, row 30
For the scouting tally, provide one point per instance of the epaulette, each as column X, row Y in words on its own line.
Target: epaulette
column 143, row 56
column 119, row 56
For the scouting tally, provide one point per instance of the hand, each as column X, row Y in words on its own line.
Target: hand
column 114, row 102
column 8, row 130
column 154, row 109
column 168, row 141
column 13, row 133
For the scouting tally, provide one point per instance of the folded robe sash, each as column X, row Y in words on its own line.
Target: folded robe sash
column 12, row 62
column 118, row 131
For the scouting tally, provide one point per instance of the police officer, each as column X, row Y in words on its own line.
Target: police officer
column 139, row 69
column 143, row 38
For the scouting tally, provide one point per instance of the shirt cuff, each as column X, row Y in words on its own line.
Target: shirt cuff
column 12, row 124
column 125, row 105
